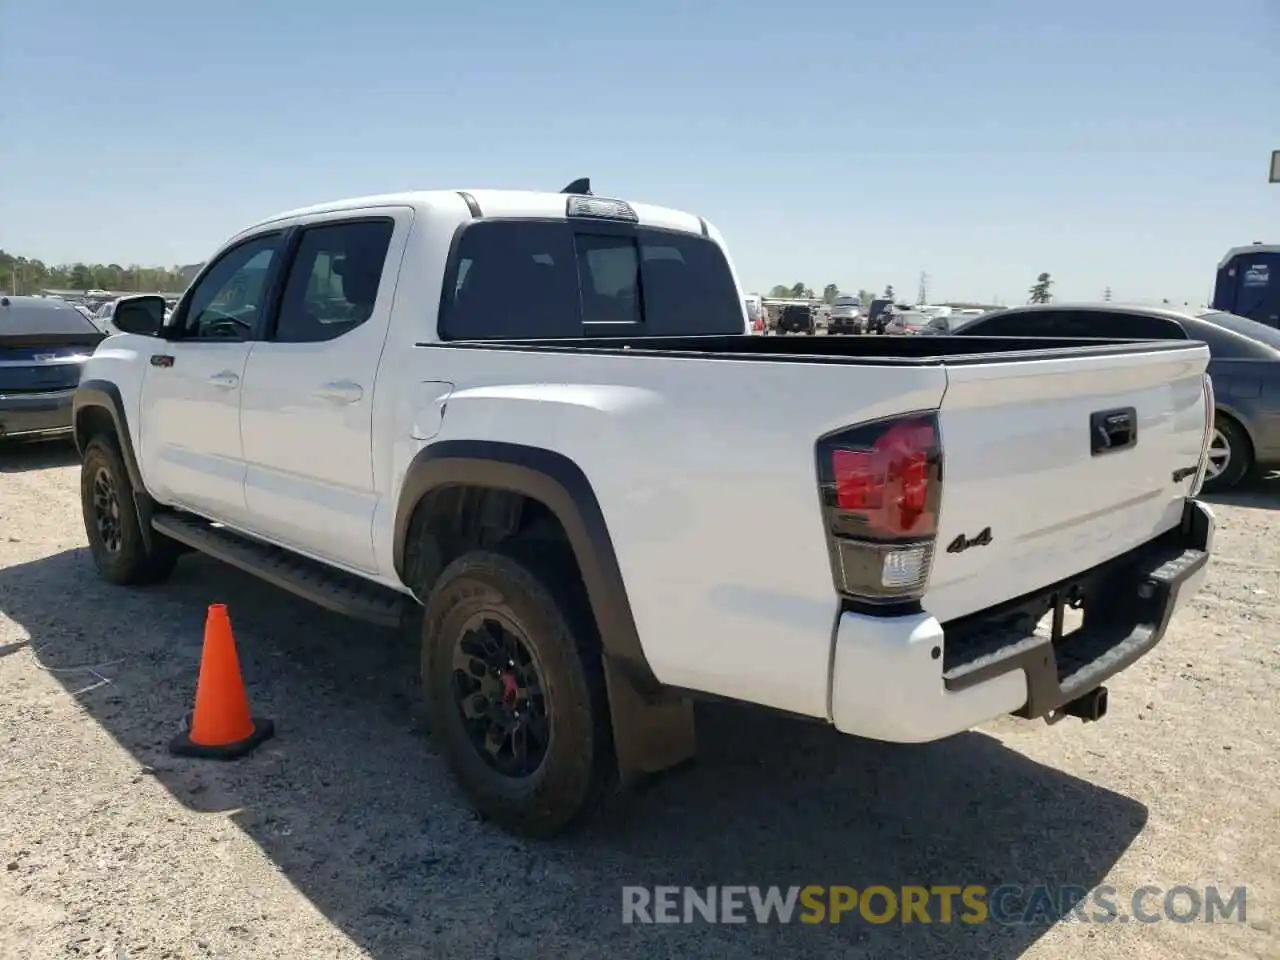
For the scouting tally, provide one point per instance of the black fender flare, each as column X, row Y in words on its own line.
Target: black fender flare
column 560, row 484
column 105, row 395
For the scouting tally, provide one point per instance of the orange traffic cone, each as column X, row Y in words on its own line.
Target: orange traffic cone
column 221, row 727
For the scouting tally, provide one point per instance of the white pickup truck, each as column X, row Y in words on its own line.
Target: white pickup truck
column 522, row 415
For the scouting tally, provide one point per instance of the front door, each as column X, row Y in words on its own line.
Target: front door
column 192, row 456
column 307, row 403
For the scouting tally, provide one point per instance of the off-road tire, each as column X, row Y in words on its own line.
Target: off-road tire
column 536, row 588
column 126, row 561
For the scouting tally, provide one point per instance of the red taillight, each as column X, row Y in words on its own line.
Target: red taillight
column 888, row 484
column 882, row 484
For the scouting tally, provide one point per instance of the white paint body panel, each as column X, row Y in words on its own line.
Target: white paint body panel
column 306, row 419
column 713, row 511
column 1017, row 460
column 189, row 427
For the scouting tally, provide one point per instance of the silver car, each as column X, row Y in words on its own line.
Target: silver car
column 846, row 316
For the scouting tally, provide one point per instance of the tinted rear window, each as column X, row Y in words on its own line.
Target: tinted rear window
column 1245, row 327
column 40, row 317
column 523, row 279
column 1102, row 324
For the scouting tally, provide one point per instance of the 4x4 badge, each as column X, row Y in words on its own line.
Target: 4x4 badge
column 962, row 543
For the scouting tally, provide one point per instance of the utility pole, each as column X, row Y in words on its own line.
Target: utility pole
column 1106, row 295
column 922, row 296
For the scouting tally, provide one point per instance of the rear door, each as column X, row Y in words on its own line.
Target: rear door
column 1023, row 457
column 307, row 404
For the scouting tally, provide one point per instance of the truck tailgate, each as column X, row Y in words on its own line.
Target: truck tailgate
column 1025, row 460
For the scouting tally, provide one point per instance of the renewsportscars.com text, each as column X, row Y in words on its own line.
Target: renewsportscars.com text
column 1007, row 905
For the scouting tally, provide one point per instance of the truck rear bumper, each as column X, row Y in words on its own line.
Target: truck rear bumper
column 911, row 679
column 35, row 414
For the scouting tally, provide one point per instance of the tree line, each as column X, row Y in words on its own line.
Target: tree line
column 23, row 275
column 830, row 293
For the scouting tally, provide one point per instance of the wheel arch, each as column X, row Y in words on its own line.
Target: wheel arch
column 652, row 727
column 558, row 483
column 96, row 408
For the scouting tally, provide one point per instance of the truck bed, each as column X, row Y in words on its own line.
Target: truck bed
column 703, row 453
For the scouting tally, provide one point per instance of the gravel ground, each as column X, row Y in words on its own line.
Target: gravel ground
column 344, row 837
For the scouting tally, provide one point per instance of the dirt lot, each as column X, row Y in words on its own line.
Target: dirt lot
column 343, row 837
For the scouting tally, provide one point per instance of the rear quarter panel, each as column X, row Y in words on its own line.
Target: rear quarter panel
column 713, row 512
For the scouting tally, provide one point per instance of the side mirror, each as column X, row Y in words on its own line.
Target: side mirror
column 141, row 315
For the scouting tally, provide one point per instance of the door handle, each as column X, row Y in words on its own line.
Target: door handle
column 226, row 380
column 340, row 391
column 1113, row 430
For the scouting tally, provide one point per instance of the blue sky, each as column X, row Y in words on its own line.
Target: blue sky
column 1121, row 143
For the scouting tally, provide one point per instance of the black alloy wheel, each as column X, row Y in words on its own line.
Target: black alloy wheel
column 499, row 694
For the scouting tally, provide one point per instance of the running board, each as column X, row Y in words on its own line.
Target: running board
column 332, row 589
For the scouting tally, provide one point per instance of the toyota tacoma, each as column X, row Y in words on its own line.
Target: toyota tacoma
column 518, row 417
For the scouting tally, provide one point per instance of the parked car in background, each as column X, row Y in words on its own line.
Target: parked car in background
column 945, row 324
column 102, row 317
column 43, row 344
column 846, row 316
column 937, row 326
column 905, row 321
column 797, row 318
column 755, row 313
column 1244, row 362
column 878, row 314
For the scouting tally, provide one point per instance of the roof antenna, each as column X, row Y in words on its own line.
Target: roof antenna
column 580, row 187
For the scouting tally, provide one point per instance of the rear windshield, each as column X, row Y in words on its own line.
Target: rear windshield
column 1245, row 327
column 39, row 317
column 535, row 279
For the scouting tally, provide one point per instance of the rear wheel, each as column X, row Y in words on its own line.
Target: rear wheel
column 1230, row 456
column 515, row 690
column 111, row 522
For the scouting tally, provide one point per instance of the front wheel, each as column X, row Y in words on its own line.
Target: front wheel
column 1230, row 456
column 515, row 690
column 111, row 522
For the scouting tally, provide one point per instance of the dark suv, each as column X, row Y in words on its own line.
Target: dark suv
column 797, row 318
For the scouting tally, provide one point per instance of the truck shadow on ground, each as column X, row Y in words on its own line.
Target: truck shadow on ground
column 21, row 456
column 1262, row 493
column 353, row 805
